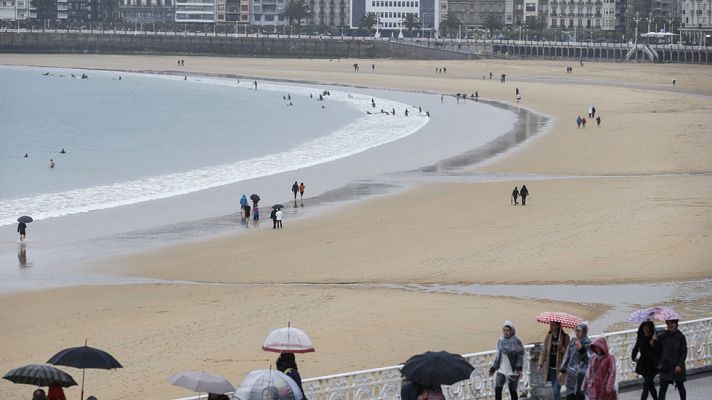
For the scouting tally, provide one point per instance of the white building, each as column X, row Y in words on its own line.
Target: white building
column 391, row 13
column 581, row 14
column 195, row 11
column 14, row 9
column 696, row 13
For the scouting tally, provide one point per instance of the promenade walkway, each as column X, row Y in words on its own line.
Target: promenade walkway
column 699, row 387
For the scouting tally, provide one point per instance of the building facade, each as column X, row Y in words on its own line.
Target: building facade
column 330, row 14
column 146, row 11
column 391, row 13
column 199, row 11
column 585, row 15
column 12, row 10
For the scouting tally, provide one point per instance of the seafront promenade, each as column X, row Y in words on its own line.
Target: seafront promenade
column 384, row 383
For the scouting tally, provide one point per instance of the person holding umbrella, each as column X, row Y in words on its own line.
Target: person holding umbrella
column 552, row 356
column 508, row 362
column 22, row 226
column 430, row 370
column 55, row 392
column 672, row 346
column 646, row 363
column 273, row 216
column 287, row 364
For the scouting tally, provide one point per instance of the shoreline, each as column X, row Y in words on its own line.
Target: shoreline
column 627, row 202
column 201, row 227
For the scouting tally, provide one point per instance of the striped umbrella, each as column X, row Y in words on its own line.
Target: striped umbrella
column 566, row 320
column 39, row 375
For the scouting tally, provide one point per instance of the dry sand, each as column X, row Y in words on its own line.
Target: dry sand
column 649, row 223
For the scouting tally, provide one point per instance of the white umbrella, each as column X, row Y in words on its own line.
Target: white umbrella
column 199, row 381
column 266, row 384
column 288, row 340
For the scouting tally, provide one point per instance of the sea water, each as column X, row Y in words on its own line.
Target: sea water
column 144, row 137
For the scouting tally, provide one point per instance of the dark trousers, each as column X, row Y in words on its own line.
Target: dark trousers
column 649, row 387
column 524, row 200
column 279, row 223
column 680, row 388
column 274, row 223
column 577, row 396
column 500, row 380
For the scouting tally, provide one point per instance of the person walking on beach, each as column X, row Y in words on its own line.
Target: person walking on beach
column 515, row 196
column 278, row 216
column 673, row 83
column 646, row 365
column 247, row 212
column 287, row 364
column 295, row 189
column 273, row 216
column 524, row 193
column 593, row 111
column 256, row 216
column 555, row 345
column 243, row 203
column 578, row 121
column 21, row 229
column 598, row 121
column 508, row 362
column 600, row 379
column 672, row 347
column 301, row 190
column 573, row 369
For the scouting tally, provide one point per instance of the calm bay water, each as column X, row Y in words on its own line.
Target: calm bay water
column 147, row 137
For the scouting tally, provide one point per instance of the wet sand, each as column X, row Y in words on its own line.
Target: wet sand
column 627, row 202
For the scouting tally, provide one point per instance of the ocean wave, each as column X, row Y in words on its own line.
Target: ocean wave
column 365, row 133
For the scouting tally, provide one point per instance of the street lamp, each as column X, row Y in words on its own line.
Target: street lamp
column 635, row 43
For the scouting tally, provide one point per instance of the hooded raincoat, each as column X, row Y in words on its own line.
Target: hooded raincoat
column 647, row 365
column 600, row 379
column 575, row 364
column 510, row 351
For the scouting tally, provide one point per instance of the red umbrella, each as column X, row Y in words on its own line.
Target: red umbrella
column 566, row 320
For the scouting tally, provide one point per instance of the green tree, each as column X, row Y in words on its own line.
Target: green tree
column 493, row 23
column 411, row 22
column 369, row 20
column 449, row 24
column 110, row 10
column 46, row 9
column 296, row 10
column 534, row 24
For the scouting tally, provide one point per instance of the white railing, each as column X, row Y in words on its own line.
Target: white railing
column 384, row 383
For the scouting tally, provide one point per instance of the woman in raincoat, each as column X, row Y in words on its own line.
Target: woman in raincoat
column 600, row 379
column 508, row 362
column 573, row 369
column 646, row 363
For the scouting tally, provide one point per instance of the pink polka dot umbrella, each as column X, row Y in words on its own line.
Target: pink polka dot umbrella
column 566, row 320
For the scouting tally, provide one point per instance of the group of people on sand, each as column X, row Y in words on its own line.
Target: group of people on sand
column 516, row 193
column 248, row 212
column 581, row 121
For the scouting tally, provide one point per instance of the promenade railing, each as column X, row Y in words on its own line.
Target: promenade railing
column 384, row 383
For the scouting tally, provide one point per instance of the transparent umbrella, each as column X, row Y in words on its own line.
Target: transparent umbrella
column 267, row 384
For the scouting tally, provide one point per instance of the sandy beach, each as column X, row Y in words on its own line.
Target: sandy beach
column 630, row 201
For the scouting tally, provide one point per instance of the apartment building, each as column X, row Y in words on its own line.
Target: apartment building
column 13, row 10
column 146, row 11
column 229, row 11
column 581, row 14
column 331, row 14
column 198, row 11
column 392, row 12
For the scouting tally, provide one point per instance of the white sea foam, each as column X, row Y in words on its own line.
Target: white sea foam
column 366, row 132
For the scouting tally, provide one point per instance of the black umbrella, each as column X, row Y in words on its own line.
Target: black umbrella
column 25, row 219
column 277, row 206
column 255, row 198
column 437, row 368
column 84, row 357
column 39, row 375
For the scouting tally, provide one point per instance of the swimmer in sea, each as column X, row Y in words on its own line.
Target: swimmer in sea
column 51, row 163
column 63, row 152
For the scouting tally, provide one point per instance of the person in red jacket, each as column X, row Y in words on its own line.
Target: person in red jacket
column 55, row 392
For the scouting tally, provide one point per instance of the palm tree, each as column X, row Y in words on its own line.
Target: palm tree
column 109, row 9
column 296, row 9
column 534, row 23
column 411, row 22
column 45, row 8
column 449, row 24
column 493, row 23
column 369, row 20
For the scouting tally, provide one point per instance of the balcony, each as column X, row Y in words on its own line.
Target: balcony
column 553, row 13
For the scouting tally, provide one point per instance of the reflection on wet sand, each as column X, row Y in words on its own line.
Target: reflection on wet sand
column 22, row 256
